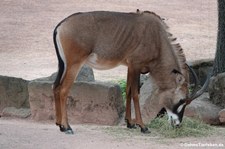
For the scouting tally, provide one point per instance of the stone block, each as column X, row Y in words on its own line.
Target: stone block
column 14, row 112
column 13, row 92
column 92, row 102
column 202, row 109
column 149, row 103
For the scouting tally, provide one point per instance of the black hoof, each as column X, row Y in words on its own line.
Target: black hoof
column 145, row 130
column 69, row 132
column 65, row 130
column 130, row 126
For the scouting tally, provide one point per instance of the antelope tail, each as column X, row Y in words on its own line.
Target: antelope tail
column 61, row 59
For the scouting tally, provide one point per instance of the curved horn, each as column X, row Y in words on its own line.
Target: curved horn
column 195, row 94
column 202, row 90
column 196, row 81
column 198, row 93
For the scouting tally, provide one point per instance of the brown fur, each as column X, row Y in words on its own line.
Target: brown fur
column 105, row 40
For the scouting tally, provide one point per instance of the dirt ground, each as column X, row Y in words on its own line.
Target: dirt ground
column 24, row 134
column 26, row 47
column 26, row 51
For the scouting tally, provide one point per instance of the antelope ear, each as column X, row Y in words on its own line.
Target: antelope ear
column 179, row 77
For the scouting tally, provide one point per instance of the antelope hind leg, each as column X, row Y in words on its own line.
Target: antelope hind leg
column 57, row 105
column 67, row 130
column 67, row 82
column 129, row 121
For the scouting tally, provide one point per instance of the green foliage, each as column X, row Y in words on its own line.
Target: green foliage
column 189, row 128
column 123, row 83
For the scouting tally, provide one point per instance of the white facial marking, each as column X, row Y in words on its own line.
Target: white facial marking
column 173, row 118
column 180, row 107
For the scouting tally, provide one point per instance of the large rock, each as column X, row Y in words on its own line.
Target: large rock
column 87, row 102
column 202, row 68
column 149, row 102
column 86, row 74
column 14, row 112
column 217, row 89
column 13, row 92
column 201, row 108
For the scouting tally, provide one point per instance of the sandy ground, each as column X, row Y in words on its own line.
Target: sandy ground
column 26, row 51
column 26, row 47
column 21, row 134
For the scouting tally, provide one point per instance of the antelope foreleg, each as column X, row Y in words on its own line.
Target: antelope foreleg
column 138, row 117
column 135, row 96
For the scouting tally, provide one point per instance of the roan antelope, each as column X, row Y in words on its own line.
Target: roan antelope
column 104, row 40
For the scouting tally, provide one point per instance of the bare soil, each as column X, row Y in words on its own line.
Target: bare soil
column 26, row 134
column 27, row 51
column 26, row 47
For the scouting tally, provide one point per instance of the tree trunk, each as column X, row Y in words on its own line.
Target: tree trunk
column 217, row 82
column 219, row 63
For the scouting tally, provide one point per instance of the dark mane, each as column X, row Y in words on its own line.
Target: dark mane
column 176, row 46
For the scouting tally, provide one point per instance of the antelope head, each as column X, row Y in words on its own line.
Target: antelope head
column 177, row 99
